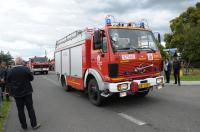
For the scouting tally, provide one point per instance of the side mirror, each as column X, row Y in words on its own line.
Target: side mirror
column 159, row 39
column 97, row 40
column 157, row 36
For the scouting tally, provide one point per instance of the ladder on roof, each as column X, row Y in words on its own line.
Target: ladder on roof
column 68, row 37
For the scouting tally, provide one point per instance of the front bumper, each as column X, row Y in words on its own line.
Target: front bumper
column 152, row 82
column 40, row 69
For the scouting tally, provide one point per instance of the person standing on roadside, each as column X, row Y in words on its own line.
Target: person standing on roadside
column 167, row 68
column 3, row 74
column 18, row 82
column 177, row 68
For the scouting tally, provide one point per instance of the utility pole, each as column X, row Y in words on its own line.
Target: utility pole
column 45, row 52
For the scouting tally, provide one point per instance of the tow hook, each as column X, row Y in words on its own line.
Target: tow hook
column 105, row 93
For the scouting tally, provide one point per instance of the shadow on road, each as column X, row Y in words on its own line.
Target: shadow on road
column 116, row 101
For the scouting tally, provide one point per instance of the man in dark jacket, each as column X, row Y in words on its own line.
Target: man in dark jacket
column 176, row 67
column 18, row 81
column 167, row 68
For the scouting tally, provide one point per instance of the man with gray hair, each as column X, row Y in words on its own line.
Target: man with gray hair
column 18, row 81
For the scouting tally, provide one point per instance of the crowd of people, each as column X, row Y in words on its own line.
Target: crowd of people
column 16, row 81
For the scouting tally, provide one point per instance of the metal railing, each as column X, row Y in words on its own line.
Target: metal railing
column 68, row 37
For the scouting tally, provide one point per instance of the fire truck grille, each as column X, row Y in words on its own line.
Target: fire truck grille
column 41, row 66
column 137, row 68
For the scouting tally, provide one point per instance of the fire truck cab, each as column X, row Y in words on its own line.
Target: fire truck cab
column 39, row 64
column 120, row 58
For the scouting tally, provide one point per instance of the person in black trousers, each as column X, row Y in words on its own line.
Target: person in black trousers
column 167, row 68
column 18, row 82
column 3, row 74
column 176, row 67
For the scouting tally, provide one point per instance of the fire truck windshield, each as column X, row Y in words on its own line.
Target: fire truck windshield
column 130, row 39
column 40, row 60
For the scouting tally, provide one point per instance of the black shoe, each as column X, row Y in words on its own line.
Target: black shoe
column 24, row 127
column 37, row 126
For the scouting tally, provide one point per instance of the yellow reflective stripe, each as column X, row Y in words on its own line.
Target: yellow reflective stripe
column 116, row 79
column 74, row 83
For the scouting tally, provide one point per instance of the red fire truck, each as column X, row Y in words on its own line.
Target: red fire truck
column 120, row 58
column 39, row 64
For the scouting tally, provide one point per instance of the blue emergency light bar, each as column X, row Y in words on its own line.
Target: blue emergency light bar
column 110, row 20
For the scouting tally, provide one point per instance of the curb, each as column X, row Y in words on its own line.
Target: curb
column 183, row 84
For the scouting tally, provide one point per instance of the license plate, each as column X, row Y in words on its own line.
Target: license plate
column 144, row 85
column 123, row 94
column 159, row 87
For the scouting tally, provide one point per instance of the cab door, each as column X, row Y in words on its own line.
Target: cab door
column 100, row 54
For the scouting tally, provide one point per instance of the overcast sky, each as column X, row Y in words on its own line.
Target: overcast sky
column 28, row 27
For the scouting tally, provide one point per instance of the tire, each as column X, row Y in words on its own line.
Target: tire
column 94, row 93
column 65, row 87
column 142, row 94
column 46, row 72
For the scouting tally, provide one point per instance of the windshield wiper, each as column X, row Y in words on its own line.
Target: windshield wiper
column 132, row 48
column 148, row 48
column 129, row 49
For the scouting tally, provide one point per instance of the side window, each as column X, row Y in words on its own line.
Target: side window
column 104, row 45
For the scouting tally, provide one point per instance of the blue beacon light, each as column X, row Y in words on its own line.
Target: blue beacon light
column 108, row 21
column 142, row 24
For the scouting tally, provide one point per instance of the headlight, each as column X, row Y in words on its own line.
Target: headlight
column 159, row 80
column 123, row 86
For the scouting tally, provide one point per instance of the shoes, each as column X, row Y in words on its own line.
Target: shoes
column 36, row 127
column 24, row 128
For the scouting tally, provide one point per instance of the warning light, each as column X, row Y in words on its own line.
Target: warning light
column 141, row 24
column 108, row 21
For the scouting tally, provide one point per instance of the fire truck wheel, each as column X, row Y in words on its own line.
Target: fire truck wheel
column 66, row 87
column 142, row 94
column 94, row 93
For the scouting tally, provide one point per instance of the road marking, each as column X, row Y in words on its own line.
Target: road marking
column 132, row 119
column 50, row 80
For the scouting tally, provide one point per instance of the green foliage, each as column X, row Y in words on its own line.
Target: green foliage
column 185, row 35
column 4, row 111
column 7, row 58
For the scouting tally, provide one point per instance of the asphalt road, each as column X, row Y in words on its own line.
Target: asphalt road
column 172, row 109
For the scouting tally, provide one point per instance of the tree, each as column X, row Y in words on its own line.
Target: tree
column 185, row 34
column 7, row 58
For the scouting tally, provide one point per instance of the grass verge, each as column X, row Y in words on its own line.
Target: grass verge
column 4, row 111
column 194, row 75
